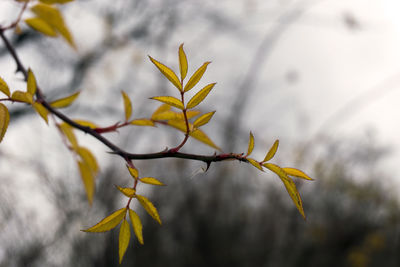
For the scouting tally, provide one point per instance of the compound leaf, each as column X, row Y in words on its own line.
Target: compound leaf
column 149, row 207
column 65, row 101
column 168, row 73
column 272, row 151
column 251, row 144
column 170, row 100
column 42, row 111
column 4, row 120
column 203, row 119
column 199, row 97
column 151, row 180
column 127, row 106
column 124, row 237
column 4, row 87
column 41, row 26
column 183, row 64
column 196, row 77
column 297, row 173
column 108, row 223
column 142, row 122
column 137, row 225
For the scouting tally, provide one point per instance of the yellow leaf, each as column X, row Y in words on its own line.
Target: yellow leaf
column 89, row 159
column 108, row 223
column 170, row 100
column 196, row 77
column 289, row 184
column 251, row 144
column 86, row 123
column 4, row 87
column 151, row 180
column 65, row 101
column 137, row 225
column 129, row 192
column 142, row 122
column 149, row 207
column 127, row 106
column 22, row 97
column 168, row 73
column 52, row 16
column 202, row 137
column 179, row 124
column 183, row 64
column 133, row 171
column 255, row 163
column 87, row 179
column 42, row 26
column 55, row 1
column 172, row 115
column 124, row 237
column 161, row 109
column 69, row 133
column 203, row 119
column 197, row 98
column 297, row 173
column 272, row 151
column 4, row 120
column 42, row 111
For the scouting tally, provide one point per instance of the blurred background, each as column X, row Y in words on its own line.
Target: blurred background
column 321, row 76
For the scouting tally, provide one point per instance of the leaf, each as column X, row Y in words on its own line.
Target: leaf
column 137, row 225
column 149, row 207
column 22, row 97
column 108, row 223
column 151, row 180
column 65, row 101
column 202, row 137
column 124, row 237
column 255, row 163
column 52, row 16
column 272, row 151
column 133, row 171
column 41, row 26
column 168, row 73
column 142, row 122
column 87, row 179
column 161, row 109
column 297, row 173
column 251, row 144
column 170, row 100
column 196, row 77
column 127, row 106
column 86, row 123
column 129, row 192
column 203, row 119
column 67, row 130
column 89, row 159
column 289, row 184
column 4, row 87
column 42, row 111
column 4, row 120
column 55, row 1
column 172, row 115
column 183, row 64
column 199, row 97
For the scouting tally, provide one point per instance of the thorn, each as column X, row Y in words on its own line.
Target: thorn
column 208, row 166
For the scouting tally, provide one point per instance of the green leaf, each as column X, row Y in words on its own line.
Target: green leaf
column 251, row 144
column 203, row 119
column 129, row 192
column 108, row 223
column 151, row 180
column 137, row 225
column 124, row 237
column 4, row 120
column 289, row 184
column 4, row 87
column 41, row 26
column 42, row 111
column 170, row 100
column 142, row 122
column 168, row 73
column 199, row 97
column 272, row 151
column 183, row 64
column 149, row 207
column 87, row 179
column 64, row 102
column 196, row 77
column 297, row 173
column 127, row 106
